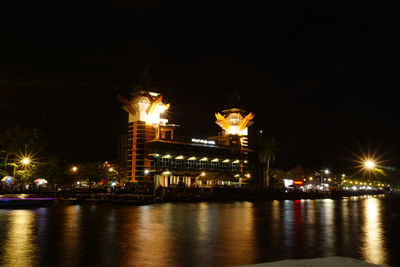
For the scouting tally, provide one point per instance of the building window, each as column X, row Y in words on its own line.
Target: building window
column 190, row 164
column 225, row 166
column 178, row 163
column 235, row 167
column 165, row 162
column 203, row 165
column 214, row 165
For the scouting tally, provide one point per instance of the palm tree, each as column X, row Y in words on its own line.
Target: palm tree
column 266, row 155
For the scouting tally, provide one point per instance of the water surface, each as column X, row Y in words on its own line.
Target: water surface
column 201, row 234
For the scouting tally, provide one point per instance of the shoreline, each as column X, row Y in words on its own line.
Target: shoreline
column 182, row 196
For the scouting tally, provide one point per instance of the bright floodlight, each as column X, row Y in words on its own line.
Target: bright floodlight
column 74, row 169
column 369, row 164
column 327, row 171
column 25, row 161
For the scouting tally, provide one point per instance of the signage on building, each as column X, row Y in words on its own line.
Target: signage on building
column 203, row 141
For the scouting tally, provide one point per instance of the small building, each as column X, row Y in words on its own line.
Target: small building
column 156, row 154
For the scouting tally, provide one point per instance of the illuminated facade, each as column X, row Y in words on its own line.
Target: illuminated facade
column 145, row 121
column 234, row 124
column 156, row 155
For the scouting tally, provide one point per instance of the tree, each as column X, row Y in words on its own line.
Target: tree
column 54, row 171
column 92, row 172
column 266, row 154
column 277, row 176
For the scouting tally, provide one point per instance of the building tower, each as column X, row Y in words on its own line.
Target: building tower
column 145, row 111
column 234, row 125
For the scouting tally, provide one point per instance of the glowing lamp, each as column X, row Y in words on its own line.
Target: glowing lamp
column 369, row 164
column 25, row 161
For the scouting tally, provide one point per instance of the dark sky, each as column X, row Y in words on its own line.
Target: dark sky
column 321, row 78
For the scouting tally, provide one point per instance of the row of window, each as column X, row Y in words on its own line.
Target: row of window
column 201, row 165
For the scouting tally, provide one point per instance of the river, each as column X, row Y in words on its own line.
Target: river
column 201, row 234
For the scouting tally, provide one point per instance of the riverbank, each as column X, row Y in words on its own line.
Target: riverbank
column 176, row 194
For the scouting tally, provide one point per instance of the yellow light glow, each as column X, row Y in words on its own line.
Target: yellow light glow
column 310, row 178
column 26, row 161
column 234, row 123
column 369, row 164
column 245, row 121
column 203, row 174
column 74, row 169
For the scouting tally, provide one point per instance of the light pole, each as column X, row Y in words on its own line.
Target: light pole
column 326, row 171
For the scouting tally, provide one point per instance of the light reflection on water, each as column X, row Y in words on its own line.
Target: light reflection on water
column 18, row 244
column 201, row 234
column 373, row 247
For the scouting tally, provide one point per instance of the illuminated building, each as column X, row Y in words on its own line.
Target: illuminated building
column 156, row 154
column 144, row 109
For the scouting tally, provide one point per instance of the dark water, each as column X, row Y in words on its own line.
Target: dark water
column 202, row 234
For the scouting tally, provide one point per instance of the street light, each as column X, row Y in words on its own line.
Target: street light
column 326, row 171
column 369, row 164
column 74, row 169
column 25, row 161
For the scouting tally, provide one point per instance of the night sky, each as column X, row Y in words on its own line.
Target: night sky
column 321, row 79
